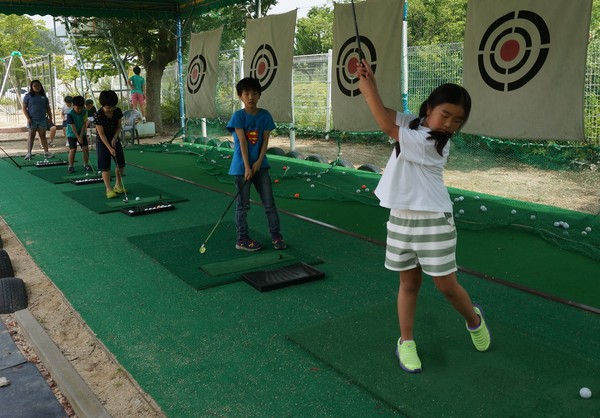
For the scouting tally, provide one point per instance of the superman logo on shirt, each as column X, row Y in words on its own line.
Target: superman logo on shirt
column 252, row 137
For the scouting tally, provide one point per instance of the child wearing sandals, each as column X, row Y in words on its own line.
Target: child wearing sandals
column 421, row 235
column 108, row 141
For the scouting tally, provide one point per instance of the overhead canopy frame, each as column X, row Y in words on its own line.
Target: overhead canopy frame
column 129, row 9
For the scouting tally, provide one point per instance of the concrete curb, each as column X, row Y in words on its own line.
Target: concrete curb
column 82, row 399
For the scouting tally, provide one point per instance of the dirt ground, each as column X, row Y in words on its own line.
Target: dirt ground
column 115, row 388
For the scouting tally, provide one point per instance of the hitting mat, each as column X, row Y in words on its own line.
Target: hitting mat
column 37, row 158
column 518, row 373
column 57, row 175
column 178, row 251
column 93, row 197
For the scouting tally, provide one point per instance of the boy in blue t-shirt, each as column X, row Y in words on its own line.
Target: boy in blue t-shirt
column 251, row 127
column 77, row 124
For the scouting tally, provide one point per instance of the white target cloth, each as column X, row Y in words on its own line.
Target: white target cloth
column 380, row 29
column 202, row 74
column 268, row 57
column 524, row 66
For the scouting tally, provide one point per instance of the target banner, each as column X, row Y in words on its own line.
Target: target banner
column 380, row 32
column 524, row 66
column 268, row 57
column 200, row 82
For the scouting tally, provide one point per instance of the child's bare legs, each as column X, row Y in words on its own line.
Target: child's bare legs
column 30, row 141
column 52, row 135
column 72, row 152
column 118, row 174
column 86, row 155
column 458, row 297
column 106, row 180
column 410, row 283
column 43, row 140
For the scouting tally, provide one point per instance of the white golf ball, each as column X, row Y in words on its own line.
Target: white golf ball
column 476, row 197
column 583, row 233
column 461, row 198
column 367, row 189
column 585, row 393
column 357, row 190
column 513, row 212
column 138, row 198
column 308, row 180
column 532, row 217
column 565, row 225
column 462, row 211
column 556, row 224
column 588, row 229
column 483, row 208
column 312, row 185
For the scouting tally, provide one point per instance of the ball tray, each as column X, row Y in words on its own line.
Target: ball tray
column 50, row 163
column 87, row 180
column 147, row 209
column 282, row 277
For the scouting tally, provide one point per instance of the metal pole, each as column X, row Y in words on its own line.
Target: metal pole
column 328, row 107
column 180, row 71
column 404, row 79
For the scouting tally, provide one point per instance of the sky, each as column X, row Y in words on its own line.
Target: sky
column 282, row 6
column 303, row 6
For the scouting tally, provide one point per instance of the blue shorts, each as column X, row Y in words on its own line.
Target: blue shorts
column 73, row 142
column 104, row 156
column 38, row 124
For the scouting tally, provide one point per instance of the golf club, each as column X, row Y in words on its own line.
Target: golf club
column 11, row 158
column 122, row 184
column 361, row 56
column 203, row 246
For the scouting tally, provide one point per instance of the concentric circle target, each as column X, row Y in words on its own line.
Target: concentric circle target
column 347, row 60
column 196, row 73
column 513, row 50
column 264, row 65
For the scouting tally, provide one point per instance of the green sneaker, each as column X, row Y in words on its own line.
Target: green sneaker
column 481, row 335
column 406, row 351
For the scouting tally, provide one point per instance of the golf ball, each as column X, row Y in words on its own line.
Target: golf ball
column 312, row 185
column 513, row 212
column 588, row 229
column 462, row 211
column 276, row 181
column 556, row 224
column 483, row 208
column 138, row 198
column 532, row 217
column 585, row 393
column 297, row 195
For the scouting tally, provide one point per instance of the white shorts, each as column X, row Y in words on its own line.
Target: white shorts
column 426, row 239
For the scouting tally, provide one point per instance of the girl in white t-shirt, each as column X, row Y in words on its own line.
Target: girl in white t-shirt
column 421, row 235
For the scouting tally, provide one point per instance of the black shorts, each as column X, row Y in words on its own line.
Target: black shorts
column 104, row 156
column 73, row 142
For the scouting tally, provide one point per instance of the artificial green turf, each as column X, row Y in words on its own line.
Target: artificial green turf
column 223, row 351
column 517, row 376
column 178, row 251
column 59, row 174
column 93, row 198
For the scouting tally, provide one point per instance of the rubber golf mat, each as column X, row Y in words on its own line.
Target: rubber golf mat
column 57, row 175
column 293, row 274
column 94, row 199
column 518, row 375
column 178, row 251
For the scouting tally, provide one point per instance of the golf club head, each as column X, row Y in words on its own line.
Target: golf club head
column 202, row 249
column 126, row 200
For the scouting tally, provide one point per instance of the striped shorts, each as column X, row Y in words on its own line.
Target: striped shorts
column 420, row 238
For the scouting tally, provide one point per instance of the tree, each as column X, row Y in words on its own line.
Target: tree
column 436, row 21
column 314, row 33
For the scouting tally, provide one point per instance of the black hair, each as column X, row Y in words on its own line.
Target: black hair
column 108, row 98
column 137, row 70
column 89, row 101
column 248, row 84
column 446, row 93
column 42, row 91
column 78, row 101
column 68, row 99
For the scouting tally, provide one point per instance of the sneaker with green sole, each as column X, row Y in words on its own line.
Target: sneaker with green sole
column 406, row 351
column 111, row 194
column 481, row 335
column 119, row 189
